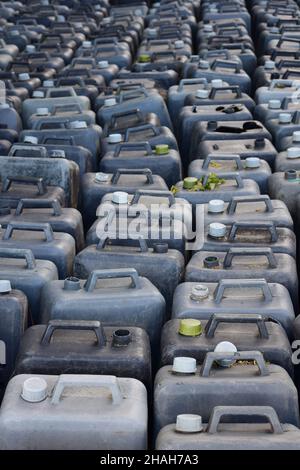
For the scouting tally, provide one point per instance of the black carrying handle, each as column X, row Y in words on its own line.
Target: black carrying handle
column 40, row 149
column 70, row 139
column 266, row 251
column 132, row 94
column 153, row 193
column 112, row 274
column 39, row 182
column 226, row 64
column 227, row 176
column 233, row 88
column 264, row 411
column 143, row 127
column 73, row 107
column 127, row 171
column 218, row 318
column 224, row 284
column 268, row 226
column 105, row 238
column 212, row 357
column 131, row 112
column 31, row 226
column 79, row 325
column 231, row 208
column 132, row 147
column 215, row 157
column 19, row 253
column 37, row 204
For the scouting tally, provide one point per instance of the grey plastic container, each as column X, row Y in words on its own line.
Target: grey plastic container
column 247, row 331
column 241, row 384
column 85, row 347
column 277, row 90
column 81, row 418
column 216, row 163
column 260, row 148
column 13, row 322
column 234, row 296
column 115, row 302
column 217, row 435
column 43, row 242
column 281, row 130
column 142, row 258
column 28, row 275
column 288, row 160
column 285, row 186
column 256, row 208
column 251, row 234
column 94, row 188
column 245, row 263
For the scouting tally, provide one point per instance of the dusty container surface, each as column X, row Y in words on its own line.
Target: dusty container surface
column 245, row 148
column 95, row 185
column 245, row 208
column 13, row 322
column 43, row 242
column 243, row 384
column 27, row 274
column 288, row 160
column 85, row 347
column 229, row 130
column 119, row 122
column 141, row 257
column 61, row 219
column 217, row 435
column 245, row 263
column 86, row 412
column 14, row 188
column 216, row 163
column 234, row 296
column 164, row 78
column 249, row 234
column 192, row 337
column 277, row 90
column 128, row 299
column 162, row 160
column 282, row 127
column 56, row 172
column 286, row 187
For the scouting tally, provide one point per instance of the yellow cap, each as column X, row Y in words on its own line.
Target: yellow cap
column 162, row 149
column 190, row 327
column 144, row 58
column 189, row 182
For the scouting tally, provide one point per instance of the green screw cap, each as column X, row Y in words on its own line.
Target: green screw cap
column 189, row 182
column 190, row 327
column 143, row 58
column 162, row 149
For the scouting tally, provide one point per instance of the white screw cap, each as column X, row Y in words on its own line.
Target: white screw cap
column 285, row 118
column 34, row 390
column 217, row 230
column 5, row 286
column 202, row 94
column 189, row 423
column 110, row 102
column 30, row 48
column 204, row 64
column 38, row 94
column 252, row 162
column 269, row 65
column 216, row 206
column 102, row 64
column 293, row 152
column 151, row 32
column 78, row 125
column 86, row 44
column 199, row 292
column 120, row 197
column 42, row 111
column 101, row 177
column 179, row 44
column 225, row 347
column 24, row 76
column 274, row 104
column 114, row 138
column 217, row 83
column 61, row 18
column 296, row 136
column 30, row 139
column 208, row 28
column 4, row 106
column 48, row 83
column 184, row 365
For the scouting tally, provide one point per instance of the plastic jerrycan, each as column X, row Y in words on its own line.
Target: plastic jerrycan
column 120, row 401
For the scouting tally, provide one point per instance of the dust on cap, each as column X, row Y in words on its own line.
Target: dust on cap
column 5, row 286
column 184, row 365
column 188, row 423
column 216, row 206
column 199, row 292
column 34, row 389
column 190, row 327
column 101, row 177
